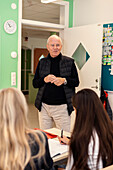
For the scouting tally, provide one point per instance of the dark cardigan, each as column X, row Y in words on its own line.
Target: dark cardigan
column 67, row 70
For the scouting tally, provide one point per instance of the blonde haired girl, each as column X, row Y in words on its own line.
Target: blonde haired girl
column 20, row 147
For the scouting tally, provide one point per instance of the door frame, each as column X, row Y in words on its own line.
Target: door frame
column 64, row 11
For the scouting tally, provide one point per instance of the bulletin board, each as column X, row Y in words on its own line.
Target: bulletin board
column 107, row 57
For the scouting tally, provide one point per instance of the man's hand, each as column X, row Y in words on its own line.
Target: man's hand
column 50, row 78
column 58, row 81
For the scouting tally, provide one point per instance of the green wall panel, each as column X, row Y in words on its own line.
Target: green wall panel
column 9, row 43
column 70, row 13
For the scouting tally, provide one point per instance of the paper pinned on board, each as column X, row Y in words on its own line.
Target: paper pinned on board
column 56, row 148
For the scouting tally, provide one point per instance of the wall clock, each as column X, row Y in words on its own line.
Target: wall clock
column 10, row 26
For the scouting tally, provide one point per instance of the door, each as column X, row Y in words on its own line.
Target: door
column 38, row 52
column 84, row 44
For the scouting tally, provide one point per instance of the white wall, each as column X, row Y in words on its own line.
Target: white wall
column 34, row 42
column 93, row 11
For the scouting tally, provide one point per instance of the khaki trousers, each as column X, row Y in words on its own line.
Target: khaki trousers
column 54, row 113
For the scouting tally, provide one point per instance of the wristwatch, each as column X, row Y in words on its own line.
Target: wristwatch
column 65, row 82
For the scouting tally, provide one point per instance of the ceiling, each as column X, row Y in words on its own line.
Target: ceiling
column 35, row 10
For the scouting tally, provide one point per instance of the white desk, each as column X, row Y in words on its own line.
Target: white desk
column 63, row 157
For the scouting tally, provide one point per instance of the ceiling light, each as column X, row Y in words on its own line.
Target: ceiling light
column 48, row 1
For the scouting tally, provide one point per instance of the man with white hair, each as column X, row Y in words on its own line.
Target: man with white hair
column 56, row 77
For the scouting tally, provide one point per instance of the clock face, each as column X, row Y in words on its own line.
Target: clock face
column 10, row 26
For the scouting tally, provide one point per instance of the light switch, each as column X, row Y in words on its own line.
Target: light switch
column 13, row 78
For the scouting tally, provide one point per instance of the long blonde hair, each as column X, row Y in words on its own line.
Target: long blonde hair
column 15, row 151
